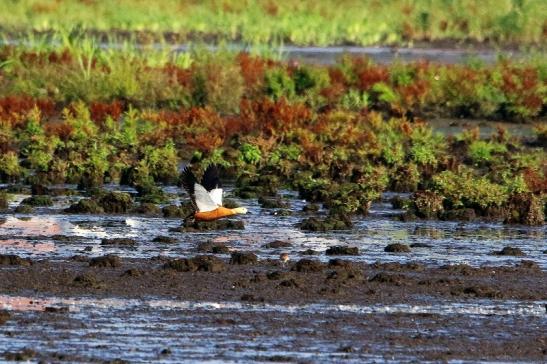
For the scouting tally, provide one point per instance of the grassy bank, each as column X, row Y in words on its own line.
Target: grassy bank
column 307, row 22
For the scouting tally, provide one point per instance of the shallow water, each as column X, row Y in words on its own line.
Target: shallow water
column 138, row 330
column 37, row 235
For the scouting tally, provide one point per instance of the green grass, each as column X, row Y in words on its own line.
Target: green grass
column 326, row 22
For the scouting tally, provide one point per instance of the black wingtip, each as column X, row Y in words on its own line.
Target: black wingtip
column 211, row 178
column 188, row 181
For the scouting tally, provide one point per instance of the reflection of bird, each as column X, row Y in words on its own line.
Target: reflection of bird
column 284, row 258
column 207, row 196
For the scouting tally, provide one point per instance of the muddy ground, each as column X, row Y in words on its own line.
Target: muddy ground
column 303, row 281
column 344, row 335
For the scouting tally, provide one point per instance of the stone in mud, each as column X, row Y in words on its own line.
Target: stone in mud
column 119, row 242
column 427, row 204
column 53, row 309
column 87, row 280
column 79, row 258
column 510, row 251
column 528, row 264
column 243, row 258
column 211, row 225
column 4, row 316
column 12, row 259
column 276, row 244
column 344, row 275
column 397, row 248
column 525, row 208
column 132, row 273
column 327, row 224
column 106, row 261
column 308, row 265
column 482, row 292
column 273, row 203
column 277, row 275
column 382, row 277
column 341, row 263
column 116, row 202
column 24, row 209
column 24, row 355
column 206, row 263
column 309, row 252
column 311, row 208
column 220, row 249
column 289, row 283
column 85, row 206
column 466, row 214
column 180, row 265
column 40, row 200
column 342, row 250
column 147, row 208
column 212, row 247
column 166, row 352
column 165, row 240
column 251, row 298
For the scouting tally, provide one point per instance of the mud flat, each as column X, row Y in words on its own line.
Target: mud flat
column 149, row 309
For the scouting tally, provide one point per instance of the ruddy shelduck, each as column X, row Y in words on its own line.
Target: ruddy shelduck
column 207, row 196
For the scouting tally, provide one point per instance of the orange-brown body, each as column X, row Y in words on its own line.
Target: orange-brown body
column 219, row 213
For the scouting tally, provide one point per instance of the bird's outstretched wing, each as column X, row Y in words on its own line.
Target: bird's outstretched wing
column 188, row 182
column 203, row 199
column 211, row 182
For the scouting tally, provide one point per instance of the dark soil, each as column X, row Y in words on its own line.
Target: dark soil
column 198, row 279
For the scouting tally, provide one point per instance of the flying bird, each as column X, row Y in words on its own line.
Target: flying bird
column 207, row 196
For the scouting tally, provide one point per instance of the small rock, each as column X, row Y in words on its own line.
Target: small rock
column 243, row 258
column 382, row 277
column 87, row 280
column 165, row 240
column 308, row 265
column 132, row 273
column 52, row 309
column 510, row 251
column 397, row 248
column 309, row 252
column 126, row 242
column 289, row 283
column 342, row 250
column 276, row 244
column 273, row 203
column 106, row 261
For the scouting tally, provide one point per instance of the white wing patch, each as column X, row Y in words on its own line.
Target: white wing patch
column 204, row 201
column 216, row 196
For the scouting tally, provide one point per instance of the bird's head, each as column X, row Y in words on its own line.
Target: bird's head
column 240, row 210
